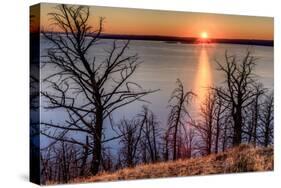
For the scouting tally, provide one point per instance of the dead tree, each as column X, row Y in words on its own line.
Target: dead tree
column 206, row 127
column 165, row 146
column 267, row 117
column 107, row 160
column 89, row 89
column 189, row 143
column 150, row 138
column 178, row 116
column 253, row 113
column 60, row 163
column 84, row 157
column 220, row 120
column 239, row 89
column 226, row 131
column 139, row 143
column 130, row 141
column 46, row 166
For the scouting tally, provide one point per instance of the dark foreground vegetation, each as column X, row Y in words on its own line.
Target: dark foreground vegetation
column 239, row 112
column 244, row 158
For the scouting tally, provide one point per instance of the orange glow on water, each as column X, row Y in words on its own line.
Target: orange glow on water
column 203, row 80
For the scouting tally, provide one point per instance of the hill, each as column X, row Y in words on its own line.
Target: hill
column 244, row 158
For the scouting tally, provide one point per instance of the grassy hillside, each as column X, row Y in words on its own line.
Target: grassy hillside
column 241, row 159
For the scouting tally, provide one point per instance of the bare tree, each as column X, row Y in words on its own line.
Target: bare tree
column 189, row 143
column 227, row 131
column 206, row 127
column 132, row 132
column 178, row 116
column 239, row 89
column 60, row 163
column 267, row 117
column 139, row 142
column 220, row 117
column 210, row 128
column 87, row 88
column 253, row 113
column 84, row 157
column 165, row 145
column 150, row 138
column 107, row 159
column 45, row 166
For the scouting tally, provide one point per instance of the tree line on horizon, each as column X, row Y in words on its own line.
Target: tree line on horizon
column 89, row 91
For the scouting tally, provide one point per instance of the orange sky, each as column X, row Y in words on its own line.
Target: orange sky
column 171, row 23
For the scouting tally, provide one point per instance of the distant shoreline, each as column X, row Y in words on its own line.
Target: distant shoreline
column 189, row 40
column 186, row 40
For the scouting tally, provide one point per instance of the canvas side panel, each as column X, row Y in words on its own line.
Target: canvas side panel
column 34, row 93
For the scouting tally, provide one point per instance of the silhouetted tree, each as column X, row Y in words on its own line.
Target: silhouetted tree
column 227, row 131
column 206, row 127
column 89, row 89
column 151, row 135
column 189, row 143
column 239, row 89
column 165, row 146
column 107, row 160
column 220, row 118
column 132, row 132
column 60, row 162
column 267, row 117
column 84, row 157
column 178, row 116
column 253, row 114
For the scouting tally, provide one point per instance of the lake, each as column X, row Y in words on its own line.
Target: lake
column 163, row 63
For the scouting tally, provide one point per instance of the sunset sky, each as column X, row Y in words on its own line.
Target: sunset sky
column 171, row 23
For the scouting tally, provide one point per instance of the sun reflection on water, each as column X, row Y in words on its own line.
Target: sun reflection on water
column 203, row 78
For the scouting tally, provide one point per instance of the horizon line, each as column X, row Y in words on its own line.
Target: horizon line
column 182, row 39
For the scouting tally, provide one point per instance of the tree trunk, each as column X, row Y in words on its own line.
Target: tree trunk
column 218, row 127
column 256, row 112
column 266, row 133
column 166, row 149
column 217, row 136
column 154, row 144
column 175, row 138
column 97, row 142
column 84, row 160
column 237, row 137
column 266, row 137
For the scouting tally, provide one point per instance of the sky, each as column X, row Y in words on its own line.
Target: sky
column 172, row 23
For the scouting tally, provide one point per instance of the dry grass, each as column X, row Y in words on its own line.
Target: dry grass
column 241, row 159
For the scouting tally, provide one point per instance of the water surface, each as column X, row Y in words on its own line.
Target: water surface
column 163, row 63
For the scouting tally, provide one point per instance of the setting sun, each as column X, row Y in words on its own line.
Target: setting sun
column 204, row 35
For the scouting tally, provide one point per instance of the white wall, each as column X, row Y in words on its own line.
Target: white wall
column 14, row 90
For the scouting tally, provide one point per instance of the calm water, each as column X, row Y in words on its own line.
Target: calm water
column 163, row 63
